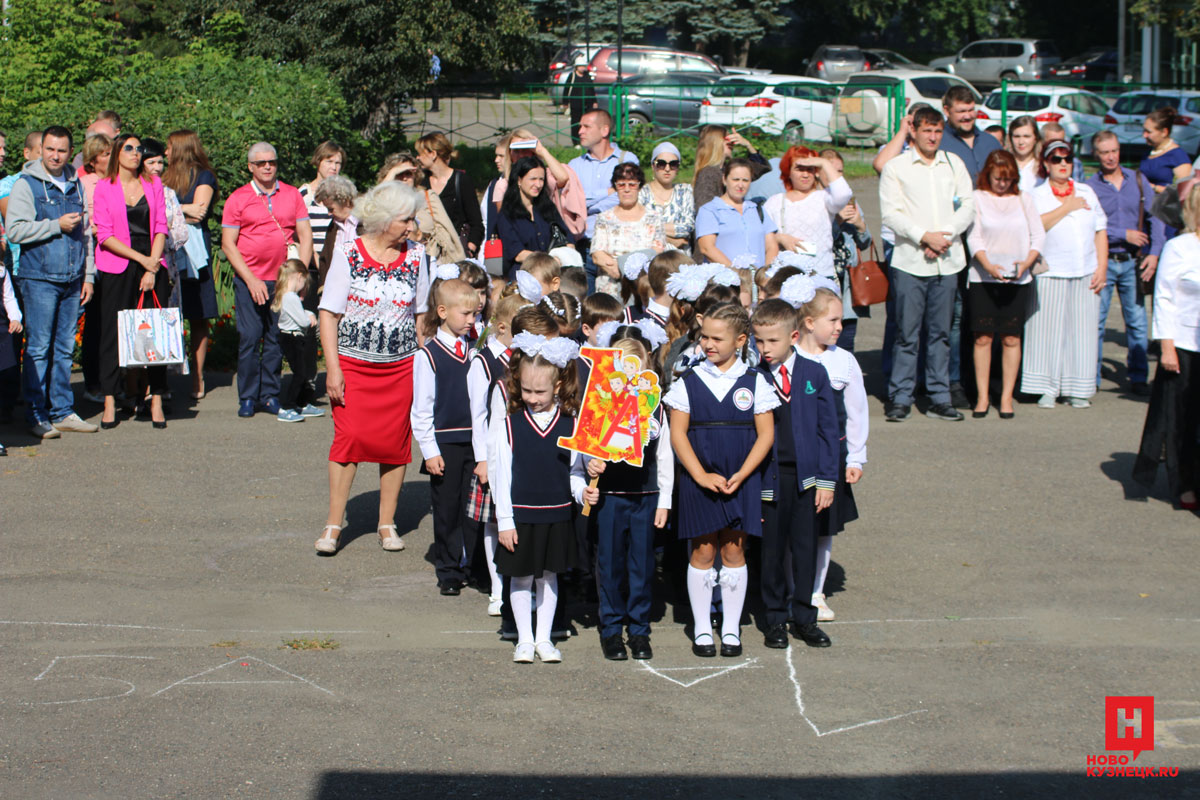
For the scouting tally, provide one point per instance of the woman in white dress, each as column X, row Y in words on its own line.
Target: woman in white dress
column 804, row 213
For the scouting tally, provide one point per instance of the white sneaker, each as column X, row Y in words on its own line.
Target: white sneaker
column 523, row 654
column 494, row 606
column 1079, row 402
column 548, row 653
column 73, row 422
column 1046, row 401
column 824, row 612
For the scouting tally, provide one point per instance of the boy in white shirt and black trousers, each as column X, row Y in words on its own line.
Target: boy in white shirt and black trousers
column 801, row 472
column 441, row 423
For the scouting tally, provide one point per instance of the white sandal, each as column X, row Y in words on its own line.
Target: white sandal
column 328, row 545
column 393, row 542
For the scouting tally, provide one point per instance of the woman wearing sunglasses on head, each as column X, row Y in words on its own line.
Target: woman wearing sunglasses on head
column 131, row 236
column 1060, row 336
column 434, row 227
column 673, row 201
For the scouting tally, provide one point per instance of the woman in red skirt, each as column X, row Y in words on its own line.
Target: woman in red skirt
column 375, row 292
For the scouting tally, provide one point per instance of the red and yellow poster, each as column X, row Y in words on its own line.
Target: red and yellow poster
column 614, row 417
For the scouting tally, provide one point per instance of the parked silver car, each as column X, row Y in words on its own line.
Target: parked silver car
column 988, row 62
column 836, row 62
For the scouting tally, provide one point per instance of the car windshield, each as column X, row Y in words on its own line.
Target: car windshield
column 844, row 54
column 736, row 89
column 1018, row 101
column 1045, row 47
column 1143, row 103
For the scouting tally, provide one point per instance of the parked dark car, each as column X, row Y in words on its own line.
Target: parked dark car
column 836, row 62
column 669, row 102
column 644, row 60
column 890, row 59
column 1098, row 65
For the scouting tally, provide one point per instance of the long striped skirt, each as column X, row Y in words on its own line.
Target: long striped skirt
column 1060, row 339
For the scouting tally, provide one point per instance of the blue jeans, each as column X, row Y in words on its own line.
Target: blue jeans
column 51, row 315
column 258, row 373
column 928, row 301
column 625, row 561
column 1123, row 276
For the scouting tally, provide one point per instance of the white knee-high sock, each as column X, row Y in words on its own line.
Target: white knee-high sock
column 733, row 594
column 824, row 554
column 547, row 602
column 491, row 538
column 700, row 584
column 521, row 595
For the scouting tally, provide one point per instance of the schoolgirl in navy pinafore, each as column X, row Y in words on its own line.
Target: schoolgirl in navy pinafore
column 843, row 509
column 722, row 435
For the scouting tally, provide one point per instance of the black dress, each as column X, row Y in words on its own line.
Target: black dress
column 198, row 296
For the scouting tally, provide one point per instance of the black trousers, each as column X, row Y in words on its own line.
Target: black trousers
column 790, row 523
column 454, row 534
column 117, row 292
column 299, row 392
column 311, row 301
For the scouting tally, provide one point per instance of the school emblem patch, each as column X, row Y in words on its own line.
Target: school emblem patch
column 743, row 399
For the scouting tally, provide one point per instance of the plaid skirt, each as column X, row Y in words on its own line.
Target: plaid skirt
column 479, row 502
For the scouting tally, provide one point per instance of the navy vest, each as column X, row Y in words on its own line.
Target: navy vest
column 811, row 418
column 495, row 368
column 451, row 404
column 541, row 470
column 622, row 478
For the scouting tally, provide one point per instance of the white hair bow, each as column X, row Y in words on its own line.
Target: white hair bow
column 826, row 282
column 688, row 282
column 559, row 351
column 798, row 290
column 652, row 331
column 726, row 277
column 604, row 333
column 743, row 261
column 447, row 272
column 787, row 258
column 528, row 286
column 635, row 265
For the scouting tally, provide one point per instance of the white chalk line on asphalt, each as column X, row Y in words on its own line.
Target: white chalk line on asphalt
column 56, row 659
column 800, row 706
column 191, row 679
column 715, row 671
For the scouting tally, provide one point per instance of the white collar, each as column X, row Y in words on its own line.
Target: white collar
column 662, row 311
column 496, row 346
column 736, row 371
column 449, row 340
column 790, row 363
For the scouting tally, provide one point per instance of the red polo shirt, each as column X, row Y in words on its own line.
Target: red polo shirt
column 266, row 225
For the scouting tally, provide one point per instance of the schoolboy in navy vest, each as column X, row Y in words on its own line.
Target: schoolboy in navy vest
column 801, row 473
column 441, row 423
column 634, row 502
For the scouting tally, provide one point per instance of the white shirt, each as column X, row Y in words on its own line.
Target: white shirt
column 500, row 467
column 1177, row 293
column 660, row 310
column 720, row 383
column 1070, row 246
column 477, row 390
column 846, row 376
column 664, row 460
column 10, row 299
column 810, row 219
column 916, row 198
column 425, row 395
column 1029, row 177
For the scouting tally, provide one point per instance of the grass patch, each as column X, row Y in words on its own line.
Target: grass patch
column 228, row 644
column 310, row 644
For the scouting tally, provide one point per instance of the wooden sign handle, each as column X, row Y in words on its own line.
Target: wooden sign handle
column 587, row 509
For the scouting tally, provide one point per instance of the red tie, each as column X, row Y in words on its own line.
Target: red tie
column 458, row 348
column 508, row 352
column 784, row 382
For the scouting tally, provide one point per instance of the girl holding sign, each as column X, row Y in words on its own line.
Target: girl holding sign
column 721, row 429
column 533, row 486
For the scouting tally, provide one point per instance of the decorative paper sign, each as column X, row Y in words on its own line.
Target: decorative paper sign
column 614, row 417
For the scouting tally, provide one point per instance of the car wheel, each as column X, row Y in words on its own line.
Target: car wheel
column 635, row 119
column 1009, row 76
column 793, row 132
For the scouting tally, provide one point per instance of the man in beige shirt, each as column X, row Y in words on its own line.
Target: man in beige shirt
column 925, row 196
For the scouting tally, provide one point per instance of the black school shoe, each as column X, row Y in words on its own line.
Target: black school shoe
column 639, row 648
column 776, row 636
column 811, row 635
column 730, row 650
column 896, row 412
column 958, row 396
column 451, row 588
column 704, row 650
column 613, row 647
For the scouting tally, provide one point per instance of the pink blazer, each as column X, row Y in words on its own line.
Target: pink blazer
column 111, row 219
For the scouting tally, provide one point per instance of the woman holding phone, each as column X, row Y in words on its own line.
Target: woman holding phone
column 714, row 149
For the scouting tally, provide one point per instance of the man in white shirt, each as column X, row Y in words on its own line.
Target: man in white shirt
column 925, row 196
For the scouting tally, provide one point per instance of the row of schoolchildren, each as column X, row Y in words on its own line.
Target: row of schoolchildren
column 765, row 435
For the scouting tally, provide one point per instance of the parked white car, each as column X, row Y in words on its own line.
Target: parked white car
column 870, row 99
column 1081, row 113
column 792, row 105
column 1129, row 112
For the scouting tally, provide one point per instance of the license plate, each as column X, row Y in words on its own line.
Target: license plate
column 850, row 105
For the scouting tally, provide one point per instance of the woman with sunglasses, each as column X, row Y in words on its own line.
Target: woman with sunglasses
column 804, row 213
column 1060, row 336
column 434, row 228
column 626, row 228
column 673, row 201
column 131, row 236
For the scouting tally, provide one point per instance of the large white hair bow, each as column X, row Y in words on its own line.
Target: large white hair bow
column 635, row 264
column 559, row 350
column 447, row 272
column 688, row 282
column 528, row 286
column 798, row 290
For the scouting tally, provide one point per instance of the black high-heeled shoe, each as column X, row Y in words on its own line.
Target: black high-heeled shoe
column 980, row 414
column 108, row 426
column 158, row 425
